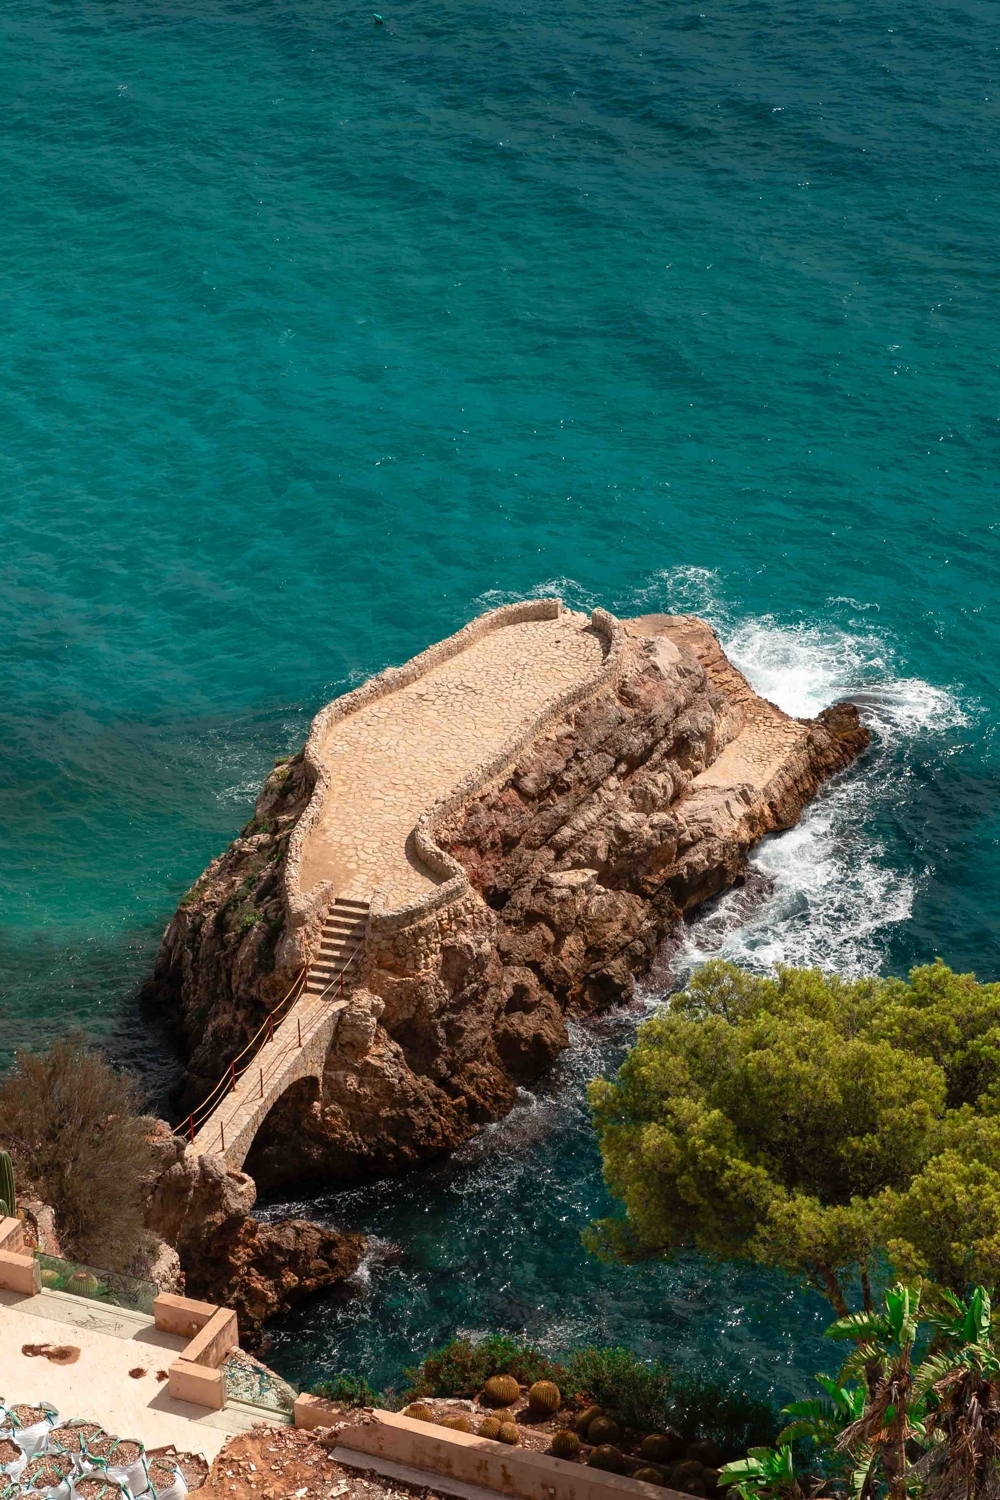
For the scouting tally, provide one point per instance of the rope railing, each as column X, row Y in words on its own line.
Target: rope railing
column 276, row 1064
column 208, row 1105
column 265, row 1033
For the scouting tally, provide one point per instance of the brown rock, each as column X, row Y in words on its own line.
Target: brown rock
column 641, row 803
column 204, row 1209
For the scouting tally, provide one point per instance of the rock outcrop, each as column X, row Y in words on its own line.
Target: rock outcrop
column 205, row 1211
column 642, row 802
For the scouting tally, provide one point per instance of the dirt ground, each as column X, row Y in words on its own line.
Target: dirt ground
column 283, row 1463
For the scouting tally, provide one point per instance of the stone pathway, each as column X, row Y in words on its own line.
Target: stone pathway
column 395, row 757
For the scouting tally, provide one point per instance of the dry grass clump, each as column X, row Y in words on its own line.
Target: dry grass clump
column 72, row 1123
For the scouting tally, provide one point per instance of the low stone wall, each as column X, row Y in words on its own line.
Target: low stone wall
column 18, row 1271
column 196, row 1374
column 461, row 1456
column 383, row 919
column 306, row 909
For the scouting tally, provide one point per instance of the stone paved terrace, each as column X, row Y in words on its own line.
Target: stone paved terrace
column 397, row 755
column 112, row 1342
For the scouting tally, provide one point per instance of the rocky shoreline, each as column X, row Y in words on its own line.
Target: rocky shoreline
column 637, row 805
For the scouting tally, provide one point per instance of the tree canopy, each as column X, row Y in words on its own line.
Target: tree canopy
column 814, row 1124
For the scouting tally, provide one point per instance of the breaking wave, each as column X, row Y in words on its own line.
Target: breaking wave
column 829, row 890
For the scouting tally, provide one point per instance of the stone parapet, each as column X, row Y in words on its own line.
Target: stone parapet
column 456, row 881
column 446, row 1454
column 306, row 909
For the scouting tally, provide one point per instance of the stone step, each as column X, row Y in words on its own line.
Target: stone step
column 330, row 965
column 342, row 904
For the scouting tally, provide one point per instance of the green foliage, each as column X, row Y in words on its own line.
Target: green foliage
column 249, row 917
column 73, row 1127
column 616, row 1380
column 8, row 1202
column 765, row 1471
column 701, row 1408
column 462, row 1368
column 348, row 1391
column 812, row 1124
column 892, row 1425
column 823, row 1418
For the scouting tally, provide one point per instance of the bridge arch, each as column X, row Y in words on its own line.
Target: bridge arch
column 296, row 1052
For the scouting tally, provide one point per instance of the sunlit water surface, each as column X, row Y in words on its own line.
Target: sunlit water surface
column 320, row 336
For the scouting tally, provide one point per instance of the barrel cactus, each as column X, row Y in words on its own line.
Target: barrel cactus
column 419, row 1412
column 500, row 1390
column 603, row 1430
column 83, row 1284
column 7, row 1203
column 585, row 1418
column 661, row 1447
column 609, row 1458
column 650, row 1476
column 565, row 1444
column 458, row 1423
column 509, row 1434
column 489, row 1427
column 544, row 1398
column 687, row 1473
column 705, row 1452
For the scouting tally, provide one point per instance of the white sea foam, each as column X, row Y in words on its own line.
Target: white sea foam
column 835, row 891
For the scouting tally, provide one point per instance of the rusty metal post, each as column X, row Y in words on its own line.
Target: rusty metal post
column 262, row 1083
column 270, row 1025
column 298, row 1022
column 232, row 1074
column 222, row 1133
column 191, row 1127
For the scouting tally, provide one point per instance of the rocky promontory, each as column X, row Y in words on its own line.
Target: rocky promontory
column 625, row 812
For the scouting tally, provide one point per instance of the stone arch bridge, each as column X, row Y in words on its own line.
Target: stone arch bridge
column 386, row 755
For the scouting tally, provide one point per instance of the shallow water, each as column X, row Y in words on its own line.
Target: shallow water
column 321, row 336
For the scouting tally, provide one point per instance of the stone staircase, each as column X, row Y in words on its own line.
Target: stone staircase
column 343, row 933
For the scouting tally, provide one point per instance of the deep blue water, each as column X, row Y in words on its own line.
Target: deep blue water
column 320, row 336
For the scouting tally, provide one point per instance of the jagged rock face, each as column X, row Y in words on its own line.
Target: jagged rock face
column 216, row 974
column 646, row 801
column 204, row 1210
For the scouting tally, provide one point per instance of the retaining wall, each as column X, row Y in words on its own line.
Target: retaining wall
column 443, row 1452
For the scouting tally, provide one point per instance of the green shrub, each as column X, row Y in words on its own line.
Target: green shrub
column 73, row 1126
column 347, row 1390
column 619, row 1382
column 702, row 1408
column 462, row 1368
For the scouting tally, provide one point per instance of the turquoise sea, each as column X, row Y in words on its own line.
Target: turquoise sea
column 320, row 335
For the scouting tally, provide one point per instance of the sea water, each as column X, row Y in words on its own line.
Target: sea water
column 321, row 334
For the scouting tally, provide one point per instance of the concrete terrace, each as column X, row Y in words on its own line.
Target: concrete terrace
column 397, row 755
column 98, row 1386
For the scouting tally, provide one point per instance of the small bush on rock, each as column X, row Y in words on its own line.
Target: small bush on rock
column 348, row 1391
column 732, row 1420
column 73, row 1125
column 462, row 1368
column 618, row 1381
